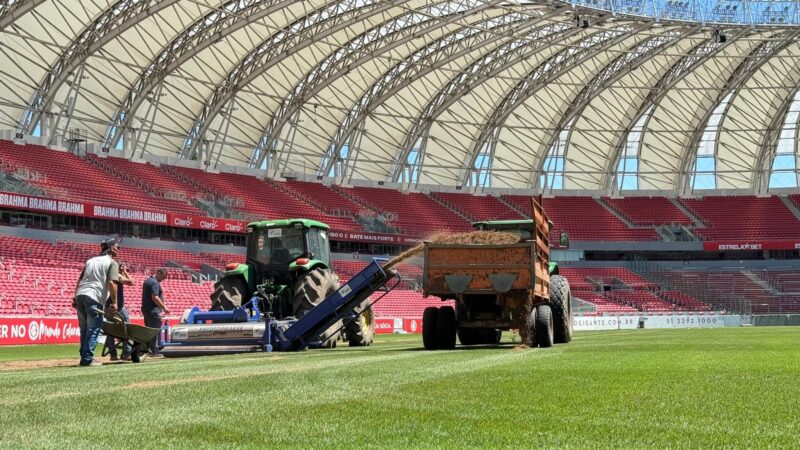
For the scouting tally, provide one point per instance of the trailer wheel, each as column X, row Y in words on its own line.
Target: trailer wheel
column 361, row 330
column 479, row 336
column 544, row 326
column 446, row 328
column 493, row 336
column 469, row 336
column 228, row 293
column 430, row 327
column 561, row 304
column 310, row 290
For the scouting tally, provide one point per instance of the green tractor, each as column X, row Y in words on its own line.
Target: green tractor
column 289, row 269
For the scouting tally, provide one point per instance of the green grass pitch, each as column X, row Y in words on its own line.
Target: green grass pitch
column 626, row 389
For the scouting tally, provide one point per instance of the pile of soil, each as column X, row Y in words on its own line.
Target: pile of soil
column 472, row 237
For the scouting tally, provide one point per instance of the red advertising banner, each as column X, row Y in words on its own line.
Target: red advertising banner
column 31, row 203
column 27, row 202
column 25, row 331
column 17, row 330
column 375, row 238
column 384, row 326
column 412, row 325
column 207, row 223
column 750, row 245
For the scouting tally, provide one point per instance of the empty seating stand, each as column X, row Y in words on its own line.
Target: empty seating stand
column 649, row 210
column 75, row 179
column 413, row 213
column 745, row 218
column 584, row 219
column 609, row 276
column 477, row 208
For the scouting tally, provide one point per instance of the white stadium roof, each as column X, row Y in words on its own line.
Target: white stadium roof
column 672, row 96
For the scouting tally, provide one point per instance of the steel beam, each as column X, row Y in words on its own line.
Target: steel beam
column 203, row 32
column 769, row 144
column 302, row 33
column 484, row 68
column 760, row 55
column 550, row 69
column 629, row 60
column 489, row 64
column 368, row 45
column 114, row 21
column 420, row 63
column 701, row 53
column 640, row 53
column 10, row 10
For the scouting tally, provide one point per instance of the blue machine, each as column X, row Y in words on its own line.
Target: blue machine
column 244, row 329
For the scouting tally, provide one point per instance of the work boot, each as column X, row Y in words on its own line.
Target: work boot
column 91, row 364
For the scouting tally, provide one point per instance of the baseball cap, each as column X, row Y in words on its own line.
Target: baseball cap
column 106, row 245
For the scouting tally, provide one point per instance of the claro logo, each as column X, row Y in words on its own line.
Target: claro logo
column 178, row 222
column 233, row 227
column 208, row 225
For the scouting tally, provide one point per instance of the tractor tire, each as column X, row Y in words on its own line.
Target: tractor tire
column 446, row 328
column 561, row 305
column 544, row 326
column 361, row 330
column 229, row 293
column 430, row 327
column 309, row 291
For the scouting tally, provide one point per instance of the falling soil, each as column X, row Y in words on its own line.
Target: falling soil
column 473, row 237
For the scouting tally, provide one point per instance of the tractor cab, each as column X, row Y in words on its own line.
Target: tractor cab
column 277, row 248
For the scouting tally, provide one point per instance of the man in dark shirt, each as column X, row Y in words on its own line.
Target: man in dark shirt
column 153, row 307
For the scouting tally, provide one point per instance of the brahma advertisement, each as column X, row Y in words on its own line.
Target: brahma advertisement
column 31, row 203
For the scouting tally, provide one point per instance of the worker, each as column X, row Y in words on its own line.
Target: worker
column 294, row 243
column 262, row 250
column 153, row 307
column 96, row 283
column 124, row 280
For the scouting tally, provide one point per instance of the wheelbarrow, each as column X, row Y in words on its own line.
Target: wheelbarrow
column 139, row 336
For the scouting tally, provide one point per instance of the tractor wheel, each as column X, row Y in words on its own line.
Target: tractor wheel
column 430, row 326
column 446, row 328
column 561, row 304
column 229, row 293
column 544, row 326
column 361, row 329
column 311, row 289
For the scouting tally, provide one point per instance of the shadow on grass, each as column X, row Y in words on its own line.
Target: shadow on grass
column 508, row 346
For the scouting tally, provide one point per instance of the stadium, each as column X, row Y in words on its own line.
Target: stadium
column 660, row 139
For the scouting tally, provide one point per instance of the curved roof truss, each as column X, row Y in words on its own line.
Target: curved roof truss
column 488, row 77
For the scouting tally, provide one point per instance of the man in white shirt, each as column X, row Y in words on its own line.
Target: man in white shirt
column 96, row 284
